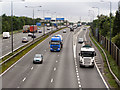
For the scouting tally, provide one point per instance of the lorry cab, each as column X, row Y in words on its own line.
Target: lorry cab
column 56, row 43
column 87, row 56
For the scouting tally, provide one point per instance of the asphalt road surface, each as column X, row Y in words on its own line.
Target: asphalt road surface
column 57, row 71
column 17, row 41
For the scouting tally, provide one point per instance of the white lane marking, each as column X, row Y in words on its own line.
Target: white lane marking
column 56, row 61
column 74, row 53
column 21, row 57
column 18, row 87
column 79, row 86
column 77, row 76
column 24, row 79
column 31, row 68
column 101, row 76
column 79, row 82
column 58, row 55
column 51, row 80
column 54, row 69
column 45, row 50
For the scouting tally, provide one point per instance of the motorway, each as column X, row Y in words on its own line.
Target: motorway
column 17, row 40
column 58, row 69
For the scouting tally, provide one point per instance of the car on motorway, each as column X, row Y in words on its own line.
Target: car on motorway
column 64, row 31
column 6, row 35
column 71, row 29
column 84, row 28
column 80, row 40
column 24, row 40
column 38, row 59
column 40, row 31
column 48, row 28
column 30, row 34
column 33, row 36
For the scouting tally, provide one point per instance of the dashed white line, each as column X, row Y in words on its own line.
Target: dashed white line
column 78, row 74
column 79, row 86
column 54, row 69
column 18, row 87
column 31, row 68
column 24, row 79
column 78, row 82
column 51, row 80
column 56, row 61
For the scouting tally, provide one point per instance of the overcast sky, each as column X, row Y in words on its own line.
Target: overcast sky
column 72, row 10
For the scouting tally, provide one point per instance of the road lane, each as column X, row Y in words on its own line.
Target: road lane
column 23, row 67
column 89, row 77
column 17, row 41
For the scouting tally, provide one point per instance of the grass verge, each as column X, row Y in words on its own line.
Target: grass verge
column 114, row 67
column 16, row 58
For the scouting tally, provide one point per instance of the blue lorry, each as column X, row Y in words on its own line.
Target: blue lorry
column 56, row 43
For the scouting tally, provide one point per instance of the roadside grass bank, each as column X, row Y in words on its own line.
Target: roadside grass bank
column 113, row 65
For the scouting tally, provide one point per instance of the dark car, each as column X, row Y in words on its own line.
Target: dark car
column 71, row 29
column 33, row 36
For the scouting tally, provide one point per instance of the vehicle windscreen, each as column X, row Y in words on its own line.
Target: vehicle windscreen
column 87, row 54
column 38, row 56
column 55, row 43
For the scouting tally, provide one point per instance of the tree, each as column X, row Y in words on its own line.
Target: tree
column 116, row 40
column 116, row 25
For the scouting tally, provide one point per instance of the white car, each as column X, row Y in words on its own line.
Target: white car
column 80, row 40
column 64, row 31
column 24, row 40
column 6, row 35
column 38, row 58
column 30, row 34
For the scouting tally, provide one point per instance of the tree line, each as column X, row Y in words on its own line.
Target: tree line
column 18, row 22
column 103, row 23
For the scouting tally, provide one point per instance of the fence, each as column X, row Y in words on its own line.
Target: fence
column 115, row 51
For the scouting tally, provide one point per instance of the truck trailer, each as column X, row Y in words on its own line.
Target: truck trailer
column 33, row 28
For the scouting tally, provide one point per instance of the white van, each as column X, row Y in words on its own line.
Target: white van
column 6, row 35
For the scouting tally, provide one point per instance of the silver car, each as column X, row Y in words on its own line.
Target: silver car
column 24, row 40
column 80, row 40
column 38, row 58
column 64, row 31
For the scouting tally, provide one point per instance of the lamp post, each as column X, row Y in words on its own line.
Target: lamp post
column 12, row 25
column 33, row 16
column 43, row 20
column 110, row 21
column 92, row 14
column 98, row 23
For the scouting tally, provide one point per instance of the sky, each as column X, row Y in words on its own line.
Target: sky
column 72, row 10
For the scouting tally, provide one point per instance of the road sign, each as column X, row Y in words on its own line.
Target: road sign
column 38, row 24
column 47, row 18
column 60, row 19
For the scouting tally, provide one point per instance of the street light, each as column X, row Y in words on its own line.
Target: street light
column 98, row 22
column 12, row 25
column 110, row 21
column 92, row 13
column 33, row 16
column 43, row 20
